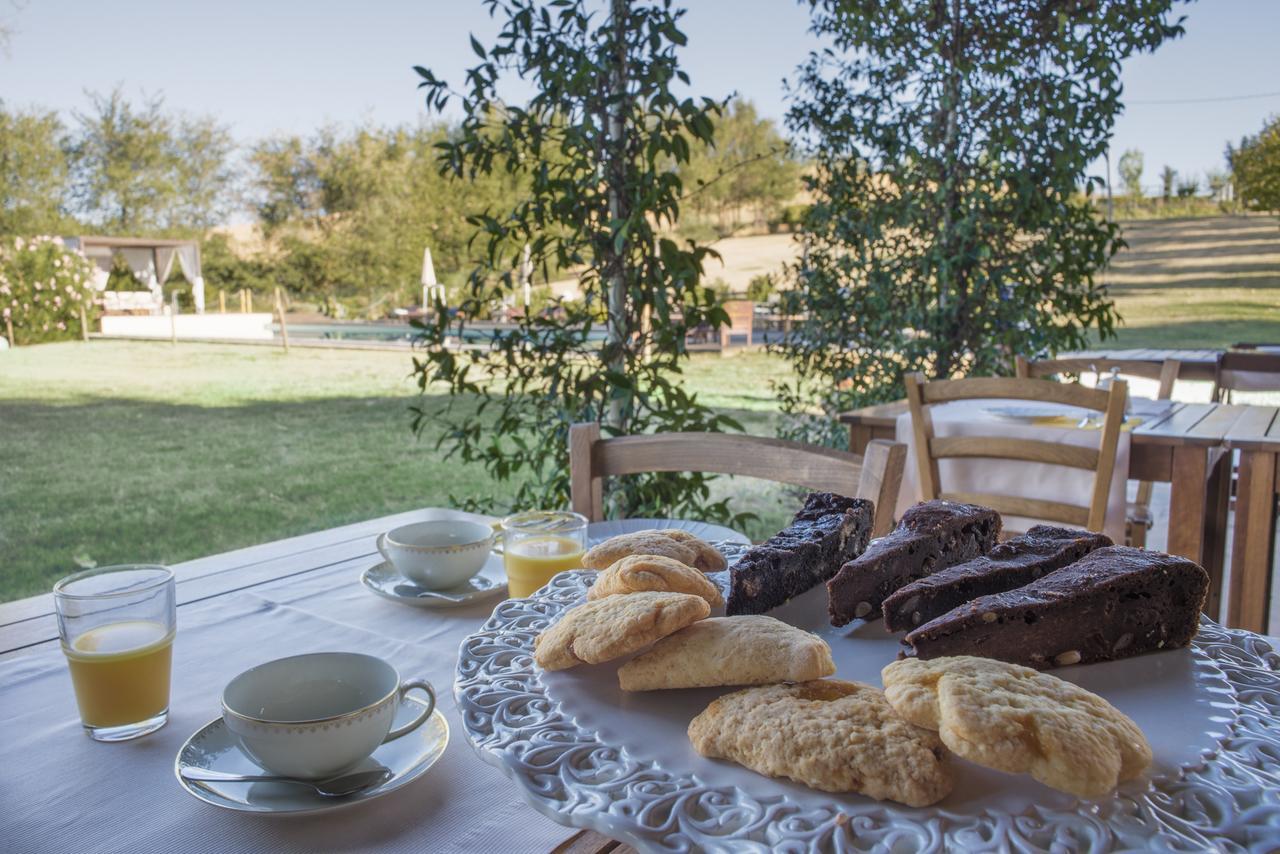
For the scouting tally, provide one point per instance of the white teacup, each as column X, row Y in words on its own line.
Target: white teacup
column 313, row 716
column 438, row 554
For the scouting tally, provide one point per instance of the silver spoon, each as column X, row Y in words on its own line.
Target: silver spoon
column 334, row 787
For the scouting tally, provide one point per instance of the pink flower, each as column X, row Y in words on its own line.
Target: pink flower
column 5, row 313
column 39, row 286
column 57, row 302
column 62, row 327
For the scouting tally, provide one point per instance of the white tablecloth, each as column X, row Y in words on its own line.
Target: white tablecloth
column 1009, row 477
column 62, row 792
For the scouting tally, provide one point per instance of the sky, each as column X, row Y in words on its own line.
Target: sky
column 289, row 66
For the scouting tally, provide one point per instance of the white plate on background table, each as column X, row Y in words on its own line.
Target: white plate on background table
column 385, row 580
column 1028, row 413
column 586, row 754
column 213, row 748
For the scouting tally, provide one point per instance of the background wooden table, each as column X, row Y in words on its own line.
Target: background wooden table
column 1184, row 448
column 1256, row 435
column 1195, row 364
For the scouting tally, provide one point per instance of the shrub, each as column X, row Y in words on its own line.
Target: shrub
column 760, row 288
column 43, row 287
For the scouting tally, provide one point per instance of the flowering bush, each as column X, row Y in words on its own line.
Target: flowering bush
column 43, row 286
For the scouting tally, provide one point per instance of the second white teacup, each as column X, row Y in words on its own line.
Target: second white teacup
column 438, row 554
column 314, row 716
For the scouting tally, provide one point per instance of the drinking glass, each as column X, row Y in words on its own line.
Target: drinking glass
column 117, row 625
column 538, row 544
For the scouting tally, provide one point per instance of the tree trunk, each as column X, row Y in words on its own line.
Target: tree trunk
column 946, row 347
column 615, row 172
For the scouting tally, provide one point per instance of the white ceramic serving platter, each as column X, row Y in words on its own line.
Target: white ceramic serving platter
column 213, row 748
column 588, row 755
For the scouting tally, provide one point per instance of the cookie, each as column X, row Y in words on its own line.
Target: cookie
column 615, row 626
column 1012, row 718
column 637, row 573
column 830, row 735
column 747, row 650
column 670, row 542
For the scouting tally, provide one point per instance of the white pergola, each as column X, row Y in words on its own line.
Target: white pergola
column 151, row 260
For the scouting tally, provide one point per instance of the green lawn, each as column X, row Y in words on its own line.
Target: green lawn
column 1209, row 282
column 113, row 452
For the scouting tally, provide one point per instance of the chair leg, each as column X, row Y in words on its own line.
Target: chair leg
column 1135, row 535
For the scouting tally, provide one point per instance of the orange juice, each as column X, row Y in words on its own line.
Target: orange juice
column 532, row 561
column 121, row 672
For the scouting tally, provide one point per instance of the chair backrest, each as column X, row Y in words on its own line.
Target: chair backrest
column 876, row 476
column 921, row 395
column 1245, row 371
column 1166, row 372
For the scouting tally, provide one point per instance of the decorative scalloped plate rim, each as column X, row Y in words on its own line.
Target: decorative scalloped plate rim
column 1229, row 799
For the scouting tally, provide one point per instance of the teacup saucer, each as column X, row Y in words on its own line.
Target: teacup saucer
column 213, row 748
column 385, row 581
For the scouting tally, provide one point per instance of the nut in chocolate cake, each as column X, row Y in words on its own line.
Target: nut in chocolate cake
column 1011, row 564
column 1112, row 603
column 930, row 536
column 828, row 531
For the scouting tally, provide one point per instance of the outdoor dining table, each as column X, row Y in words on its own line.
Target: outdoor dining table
column 61, row 791
column 1184, row 447
column 1256, row 436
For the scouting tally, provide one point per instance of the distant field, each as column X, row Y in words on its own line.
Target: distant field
column 1209, row 282
column 1204, row 282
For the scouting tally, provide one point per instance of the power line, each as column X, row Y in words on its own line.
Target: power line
column 1208, row 100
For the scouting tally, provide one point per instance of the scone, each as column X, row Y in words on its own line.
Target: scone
column 1012, row 718
column 830, row 735
column 669, row 542
column 638, row 573
column 746, row 650
column 615, row 626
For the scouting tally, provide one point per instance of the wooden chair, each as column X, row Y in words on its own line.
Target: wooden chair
column 1245, row 371
column 1138, row 517
column 921, row 395
column 875, row 476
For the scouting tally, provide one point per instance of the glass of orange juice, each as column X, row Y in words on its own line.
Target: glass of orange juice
column 538, row 544
column 117, row 625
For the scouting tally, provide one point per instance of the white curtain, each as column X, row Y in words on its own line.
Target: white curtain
column 189, row 261
column 143, row 264
column 164, row 263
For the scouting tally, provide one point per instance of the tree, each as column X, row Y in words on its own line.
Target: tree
column 748, row 166
column 206, row 182
column 1131, row 172
column 594, row 144
column 1217, row 180
column 1255, row 164
column 1168, row 177
column 1188, row 187
column 350, row 211
column 949, row 144
column 137, row 168
column 33, row 172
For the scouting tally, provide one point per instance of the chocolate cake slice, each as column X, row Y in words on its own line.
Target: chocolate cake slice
column 829, row 530
column 930, row 536
column 1011, row 564
column 1112, row 603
